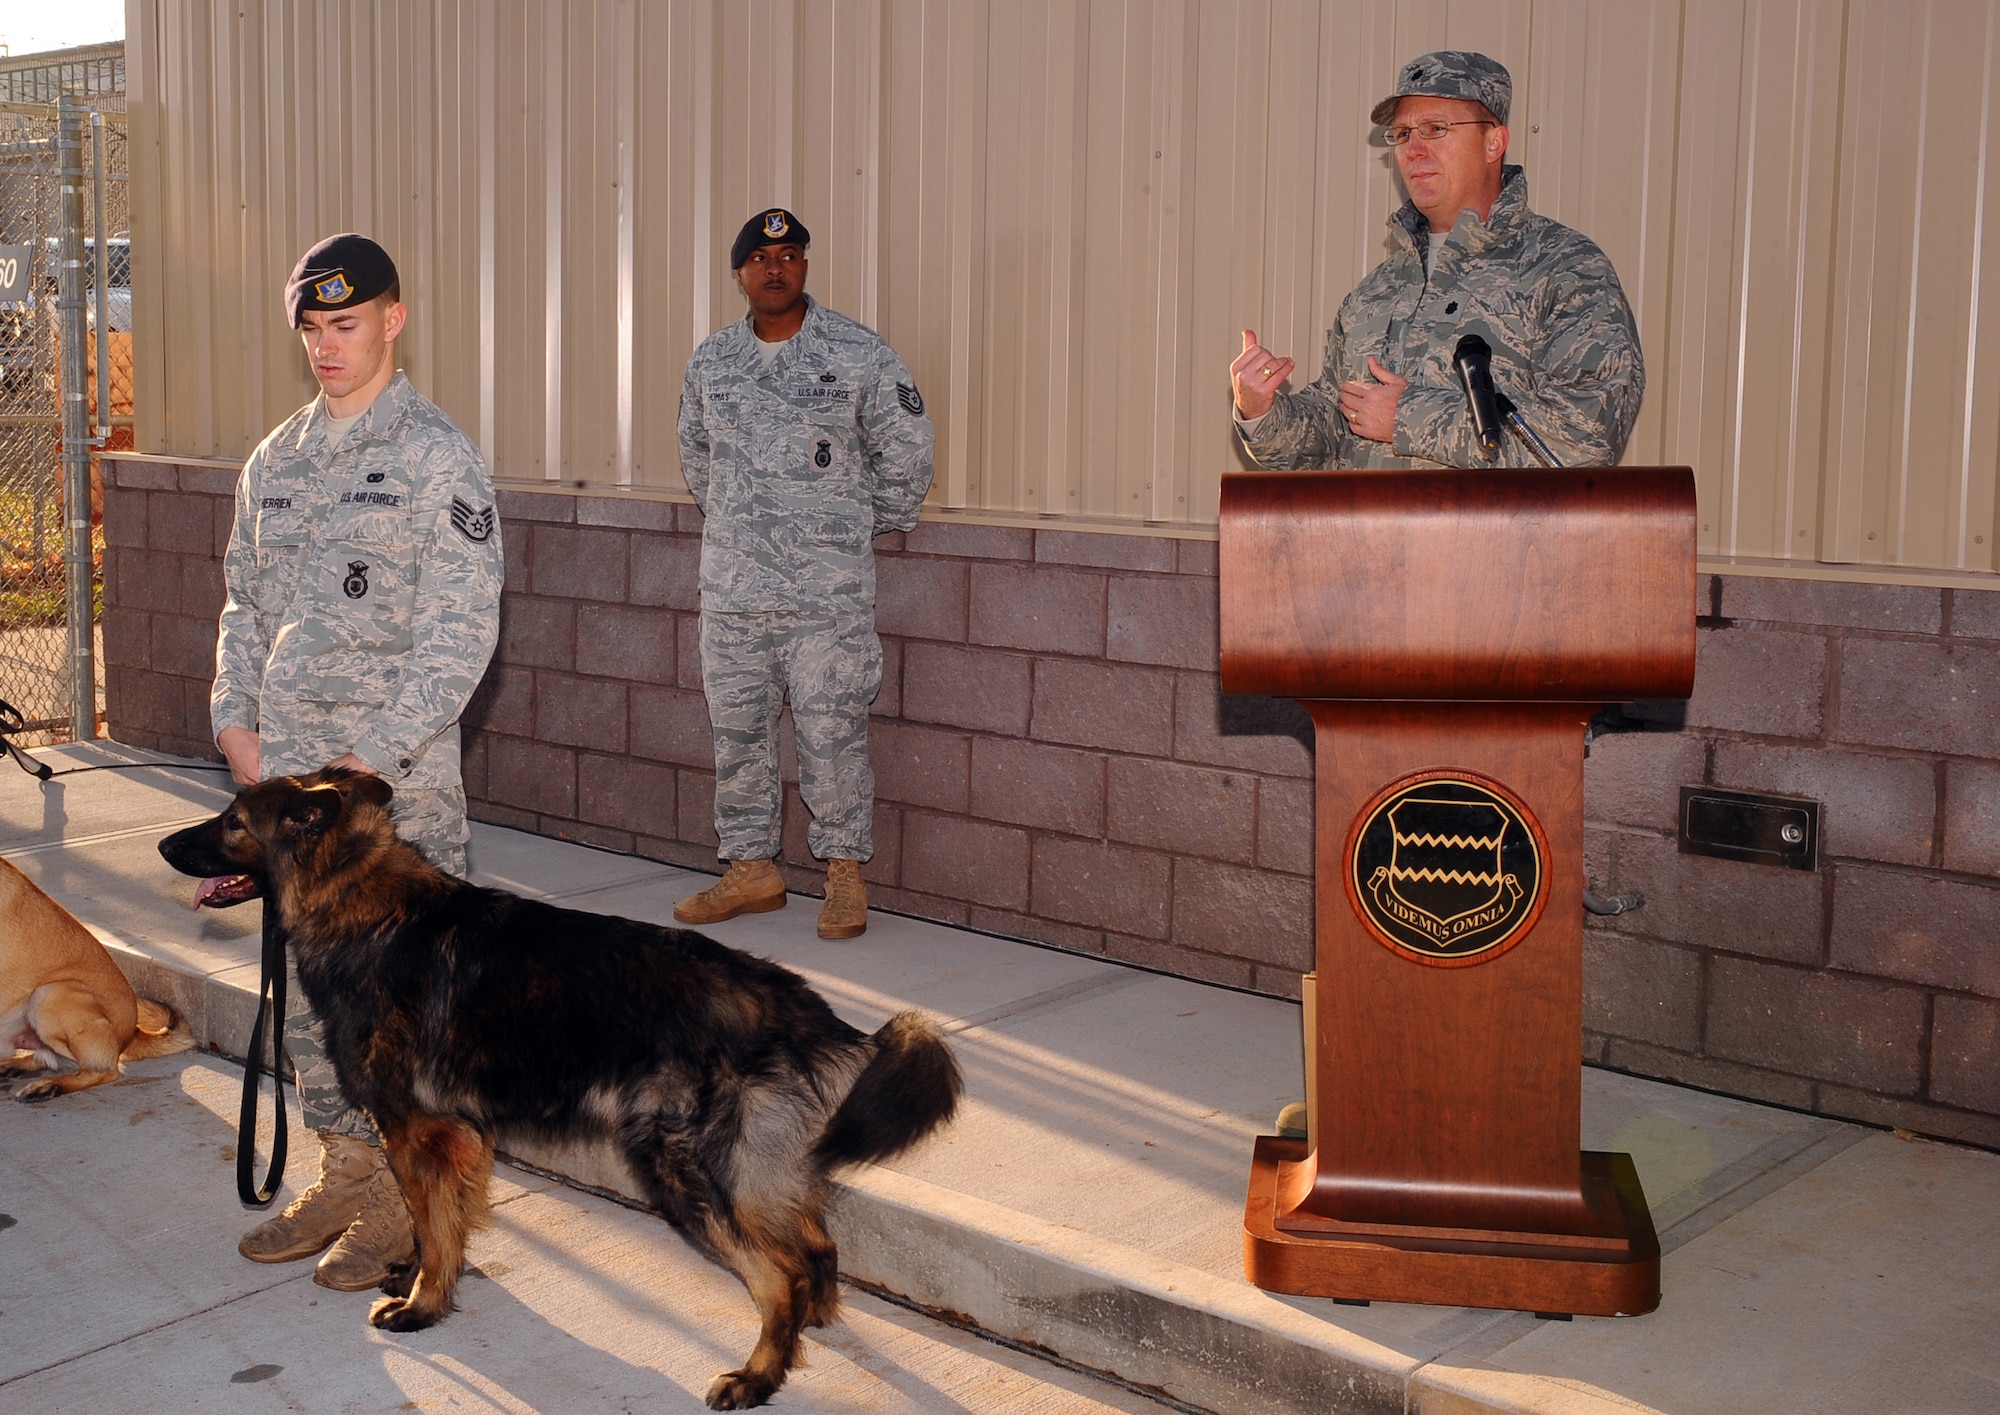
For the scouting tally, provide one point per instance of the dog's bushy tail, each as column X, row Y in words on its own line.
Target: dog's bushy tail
column 909, row 1088
column 162, row 1032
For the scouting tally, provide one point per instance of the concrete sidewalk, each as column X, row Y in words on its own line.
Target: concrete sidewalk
column 119, row 1299
column 1089, row 1199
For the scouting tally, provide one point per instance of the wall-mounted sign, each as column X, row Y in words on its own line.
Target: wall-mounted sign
column 15, row 262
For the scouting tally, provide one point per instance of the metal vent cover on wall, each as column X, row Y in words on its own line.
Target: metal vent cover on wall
column 1745, row 825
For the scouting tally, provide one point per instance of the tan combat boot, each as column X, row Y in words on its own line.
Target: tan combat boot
column 845, row 913
column 380, row 1238
column 750, row 887
column 323, row 1212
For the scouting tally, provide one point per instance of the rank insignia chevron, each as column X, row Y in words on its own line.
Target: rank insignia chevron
column 475, row 526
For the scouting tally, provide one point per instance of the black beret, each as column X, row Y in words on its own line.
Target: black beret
column 337, row 274
column 776, row 227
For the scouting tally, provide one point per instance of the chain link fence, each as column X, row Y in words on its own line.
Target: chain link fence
column 39, row 654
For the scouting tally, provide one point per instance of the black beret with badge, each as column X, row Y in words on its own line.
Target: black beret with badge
column 775, row 227
column 339, row 273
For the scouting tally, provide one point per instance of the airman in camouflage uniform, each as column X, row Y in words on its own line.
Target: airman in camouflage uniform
column 363, row 576
column 364, row 592
column 802, row 437
column 1468, row 257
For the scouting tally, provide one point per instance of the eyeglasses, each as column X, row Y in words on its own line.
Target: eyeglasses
column 1431, row 132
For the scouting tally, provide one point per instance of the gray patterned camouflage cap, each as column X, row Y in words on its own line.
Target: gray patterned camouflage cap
column 1451, row 73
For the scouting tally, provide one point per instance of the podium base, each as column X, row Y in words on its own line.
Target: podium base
column 1527, row 1272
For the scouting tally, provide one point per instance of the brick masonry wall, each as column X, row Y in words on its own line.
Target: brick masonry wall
column 1055, row 762
column 1870, row 989
column 1053, row 759
column 165, row 528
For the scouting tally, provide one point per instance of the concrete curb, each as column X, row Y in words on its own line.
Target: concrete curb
column 1194, row 1337
column 1450, row 1388
column 220, row 1007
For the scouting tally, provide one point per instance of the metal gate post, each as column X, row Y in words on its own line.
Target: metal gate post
column 103, row 280
column 76, row 427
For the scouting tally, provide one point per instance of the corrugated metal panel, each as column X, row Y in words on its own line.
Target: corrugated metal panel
column 1063, row 213
column 1912, row 427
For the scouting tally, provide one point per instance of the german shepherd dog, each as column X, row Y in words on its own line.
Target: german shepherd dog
column 456, row 1016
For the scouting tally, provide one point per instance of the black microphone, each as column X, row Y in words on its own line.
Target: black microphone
column 1473, row 360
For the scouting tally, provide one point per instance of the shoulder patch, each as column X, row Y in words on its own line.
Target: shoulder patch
column 475, row 526
column 912, row 401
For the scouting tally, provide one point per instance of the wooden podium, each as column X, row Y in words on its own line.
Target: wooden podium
column 1451, row 633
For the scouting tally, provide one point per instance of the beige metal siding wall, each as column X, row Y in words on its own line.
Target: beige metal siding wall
column 1062, row 214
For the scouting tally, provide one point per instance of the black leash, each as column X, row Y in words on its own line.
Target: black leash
column 12, row 721
column 271, row 990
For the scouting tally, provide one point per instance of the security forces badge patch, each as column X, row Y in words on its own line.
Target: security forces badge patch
column 1446, row 868
column 774, row 225
column 334, row 289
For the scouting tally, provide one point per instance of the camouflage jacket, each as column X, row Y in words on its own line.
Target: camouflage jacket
column 363, row 591
column 1546, row 299
column 798, row 464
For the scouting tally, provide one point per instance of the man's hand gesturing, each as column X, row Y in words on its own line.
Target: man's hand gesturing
column 1370, row 408
column 1256, row 376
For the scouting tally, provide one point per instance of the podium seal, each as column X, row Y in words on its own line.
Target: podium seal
column 1446, row 868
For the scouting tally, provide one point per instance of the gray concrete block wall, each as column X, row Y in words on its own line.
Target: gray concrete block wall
column 165, row 528
column 1056, row 762
column 1871, row 988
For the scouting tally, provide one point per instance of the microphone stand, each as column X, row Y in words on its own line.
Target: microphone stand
column 1512, row 415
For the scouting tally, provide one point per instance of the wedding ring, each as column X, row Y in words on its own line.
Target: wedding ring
column 1264, row 372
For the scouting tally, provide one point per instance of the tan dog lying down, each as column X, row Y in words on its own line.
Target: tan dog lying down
column 63, row 1001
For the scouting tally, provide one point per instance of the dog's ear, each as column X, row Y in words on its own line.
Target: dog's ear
column 363, row 785
column 313, row 810
column 372, row 789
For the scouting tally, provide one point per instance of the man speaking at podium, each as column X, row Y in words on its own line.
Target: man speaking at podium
column 1469, row 258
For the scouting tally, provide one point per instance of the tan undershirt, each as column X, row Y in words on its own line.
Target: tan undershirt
column 338, row 428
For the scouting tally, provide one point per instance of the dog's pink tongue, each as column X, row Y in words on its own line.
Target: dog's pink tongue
column 215, row 884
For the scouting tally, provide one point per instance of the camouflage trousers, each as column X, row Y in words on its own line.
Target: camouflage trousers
column 829, row 662
column 434, row 822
